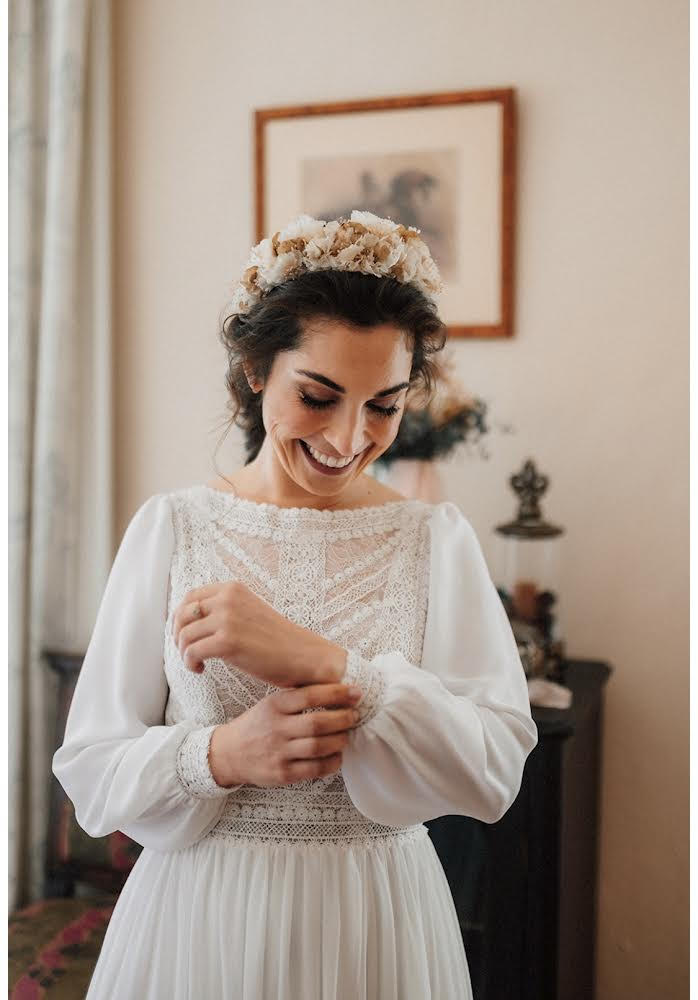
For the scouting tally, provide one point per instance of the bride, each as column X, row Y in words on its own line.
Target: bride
column 293, row 666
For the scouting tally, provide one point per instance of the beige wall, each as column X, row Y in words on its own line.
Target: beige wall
column 595, row 381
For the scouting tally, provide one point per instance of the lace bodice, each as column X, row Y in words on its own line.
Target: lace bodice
column 358, row 577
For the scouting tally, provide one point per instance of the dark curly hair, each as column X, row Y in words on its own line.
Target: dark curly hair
column 274, row 324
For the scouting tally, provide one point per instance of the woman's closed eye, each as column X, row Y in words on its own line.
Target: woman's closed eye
column 321, row 404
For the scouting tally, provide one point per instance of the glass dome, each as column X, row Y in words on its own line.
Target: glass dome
column 528, row 576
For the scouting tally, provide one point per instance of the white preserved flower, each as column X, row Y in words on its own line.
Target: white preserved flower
column 241, row 301
column 263, row 254
column 392, row 254
column 410, row 263
column 305, row 226
column 348, row 254
column 278, row 270
column 371, row 221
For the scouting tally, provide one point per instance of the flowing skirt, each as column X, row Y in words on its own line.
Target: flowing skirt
column 244, row 920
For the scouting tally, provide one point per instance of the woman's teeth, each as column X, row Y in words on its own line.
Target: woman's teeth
column 334, row 463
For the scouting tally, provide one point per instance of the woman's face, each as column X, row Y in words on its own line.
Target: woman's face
column 338, row 396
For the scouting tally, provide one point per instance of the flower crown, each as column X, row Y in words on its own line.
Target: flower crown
column 364, row 242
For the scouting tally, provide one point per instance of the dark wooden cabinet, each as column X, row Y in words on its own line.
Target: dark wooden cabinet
column 525, row 888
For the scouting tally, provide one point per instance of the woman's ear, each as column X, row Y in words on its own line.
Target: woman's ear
column 253, row 382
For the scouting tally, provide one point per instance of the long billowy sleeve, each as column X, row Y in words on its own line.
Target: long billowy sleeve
column 120, row 765
column 449, row 736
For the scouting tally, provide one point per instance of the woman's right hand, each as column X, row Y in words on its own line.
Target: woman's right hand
column 277, row 743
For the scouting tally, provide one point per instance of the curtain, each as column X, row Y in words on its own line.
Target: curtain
column 60, row 539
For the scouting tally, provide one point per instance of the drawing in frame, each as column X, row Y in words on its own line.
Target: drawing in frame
column 443, row 162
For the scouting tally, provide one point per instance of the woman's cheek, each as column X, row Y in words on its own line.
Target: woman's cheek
column 284, row 431
column 304, row 422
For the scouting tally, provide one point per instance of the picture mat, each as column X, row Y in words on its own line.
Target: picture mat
column 474, row 130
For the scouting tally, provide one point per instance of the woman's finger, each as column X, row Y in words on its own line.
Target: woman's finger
column 194, row 631
column 324, row 723
column 203, row 649
column 312, row 746
column 315, row 696
column 187, row 612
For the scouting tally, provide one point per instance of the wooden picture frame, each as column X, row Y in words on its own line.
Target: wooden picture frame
column 447, row 158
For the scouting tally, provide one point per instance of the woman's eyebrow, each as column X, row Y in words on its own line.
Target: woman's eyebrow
column 340, row 388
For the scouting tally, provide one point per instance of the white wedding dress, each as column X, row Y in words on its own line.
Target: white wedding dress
column 328, row 889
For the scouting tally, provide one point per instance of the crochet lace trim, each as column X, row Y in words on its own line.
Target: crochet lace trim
column 383, row 837
column 193, row 767
column 264, row 519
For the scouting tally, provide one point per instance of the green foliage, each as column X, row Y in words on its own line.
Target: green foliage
column 425, row 435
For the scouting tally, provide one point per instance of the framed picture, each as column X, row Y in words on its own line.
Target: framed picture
column 444, row 163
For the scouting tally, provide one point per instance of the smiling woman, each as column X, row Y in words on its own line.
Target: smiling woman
column 318, row 371
column 336, row 667
column 320, row 434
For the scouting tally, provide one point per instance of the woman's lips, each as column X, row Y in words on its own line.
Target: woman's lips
column 327, row 469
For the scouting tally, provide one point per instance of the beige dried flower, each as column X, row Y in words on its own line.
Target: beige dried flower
column 364, row 242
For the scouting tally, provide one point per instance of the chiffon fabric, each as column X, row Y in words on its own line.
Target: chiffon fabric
column 323, row 889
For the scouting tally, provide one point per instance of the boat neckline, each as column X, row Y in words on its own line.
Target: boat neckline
column 316, row 511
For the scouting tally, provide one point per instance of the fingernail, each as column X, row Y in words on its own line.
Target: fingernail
column 355, row 692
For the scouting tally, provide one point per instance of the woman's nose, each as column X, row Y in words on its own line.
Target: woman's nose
column 347, row 437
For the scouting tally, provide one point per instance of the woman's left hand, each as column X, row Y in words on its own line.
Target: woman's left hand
column 228, row 621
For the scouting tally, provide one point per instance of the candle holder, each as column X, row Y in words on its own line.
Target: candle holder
column 529, row 578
